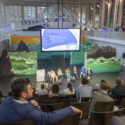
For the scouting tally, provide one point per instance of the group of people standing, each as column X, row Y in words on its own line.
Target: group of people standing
column 70, row 74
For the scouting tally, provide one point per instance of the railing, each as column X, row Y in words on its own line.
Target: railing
column 107, row 34
column 7, row 29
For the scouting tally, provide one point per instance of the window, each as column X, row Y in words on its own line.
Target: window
column 29, row 12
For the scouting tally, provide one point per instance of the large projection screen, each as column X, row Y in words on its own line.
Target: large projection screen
column 60, row 40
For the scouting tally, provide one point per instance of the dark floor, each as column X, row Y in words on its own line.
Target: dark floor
column 5, row 82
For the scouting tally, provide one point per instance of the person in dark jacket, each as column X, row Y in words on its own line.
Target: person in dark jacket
column 118, row 90
column 18, row 108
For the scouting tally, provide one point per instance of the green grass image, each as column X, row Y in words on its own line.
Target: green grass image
column 23, row 63
column 104, row 65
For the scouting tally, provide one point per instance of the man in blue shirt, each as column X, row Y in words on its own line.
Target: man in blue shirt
column 18, row 108
column 82, row 72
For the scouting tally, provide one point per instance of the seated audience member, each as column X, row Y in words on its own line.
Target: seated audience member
column 43, row 90
column 118, row 90
column 101, row 96
column 116, row 120
column 53, row 76
column 69, row 90
column 67, row 72
column 82, row 72
column 75, row 73
column 99, row 87
column 17, row 107
column 84, row 90
column 55, row 91
column 89, row 74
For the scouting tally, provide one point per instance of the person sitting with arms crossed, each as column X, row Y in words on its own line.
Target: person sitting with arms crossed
column 17, row 107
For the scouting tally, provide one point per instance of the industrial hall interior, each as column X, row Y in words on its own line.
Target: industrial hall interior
column 62, row 62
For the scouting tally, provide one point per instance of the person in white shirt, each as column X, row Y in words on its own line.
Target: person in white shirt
column 69, row 90
column 60, row 75
column 43, row 90
column 53, row 76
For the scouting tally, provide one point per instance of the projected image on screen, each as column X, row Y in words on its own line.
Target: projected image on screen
column 60, row 39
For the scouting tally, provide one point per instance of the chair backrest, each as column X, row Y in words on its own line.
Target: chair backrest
column 85, row 99
column 70, row 120
column 119, row 99
column 51, row 107
column 122, row 105
column 84, row 107
column 55, row 99
column 26, row 122
column 104, row 106
column 103, row 118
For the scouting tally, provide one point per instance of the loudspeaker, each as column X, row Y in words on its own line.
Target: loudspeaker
column 123, row 55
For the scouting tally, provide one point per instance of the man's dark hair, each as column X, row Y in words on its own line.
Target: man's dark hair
column 103, row 81
column 19, row 86
column 118, row 81
column 42, row 86
column 55, row 88
column 84, row 81
column 69, row 84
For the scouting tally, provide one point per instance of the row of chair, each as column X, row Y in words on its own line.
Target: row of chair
column 96, row 118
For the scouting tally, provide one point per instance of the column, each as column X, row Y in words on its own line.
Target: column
column 87, row 14
column 85, row 59
column 1, row 13
column 22, row 11
column 81, row 16
column 120, row 12
column 115, row 14
column 93, row 16
column 36, row 12
column 103, row 14
column 109, row 14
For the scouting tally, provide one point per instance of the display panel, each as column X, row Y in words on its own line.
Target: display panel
column 60, row 39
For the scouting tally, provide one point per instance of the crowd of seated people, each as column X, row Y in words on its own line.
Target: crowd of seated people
column 103, row 94
column 70, row 74
column 19, row 107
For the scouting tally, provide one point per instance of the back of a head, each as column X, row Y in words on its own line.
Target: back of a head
column 118, row 81
column 69, row 85
column 42, row 86
column 102, row 81
column 55, row 88
column 19, row 86
column 105, row 86
column 84, row 81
